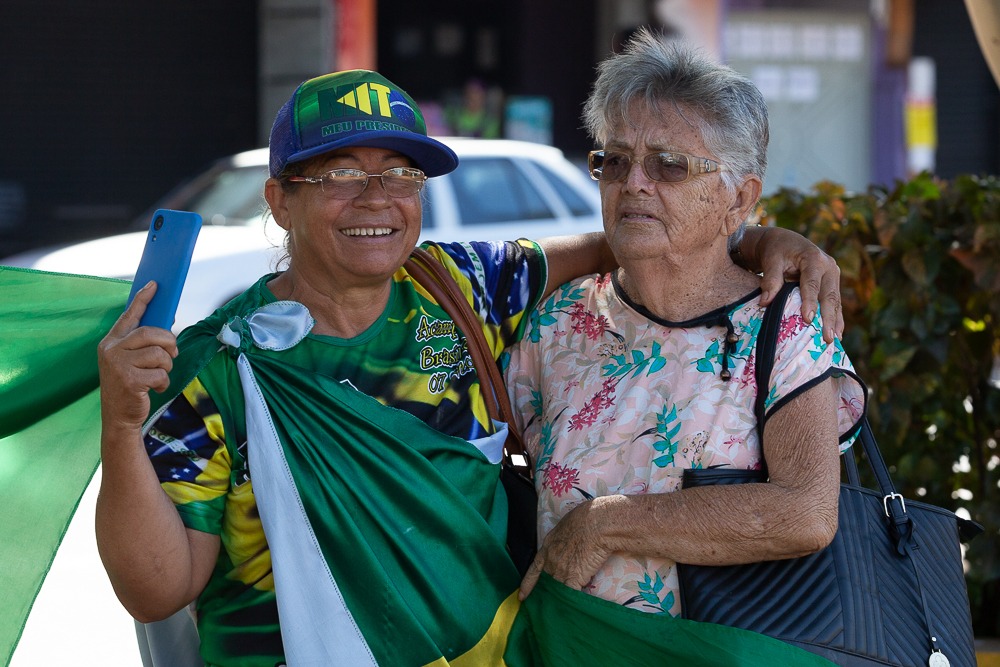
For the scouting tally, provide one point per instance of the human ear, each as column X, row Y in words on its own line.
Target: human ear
column 743, row 204
column 277, row 201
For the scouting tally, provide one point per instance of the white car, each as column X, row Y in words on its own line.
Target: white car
column 501, row 190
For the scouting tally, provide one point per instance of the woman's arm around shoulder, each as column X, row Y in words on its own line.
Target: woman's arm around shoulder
column 777, row 253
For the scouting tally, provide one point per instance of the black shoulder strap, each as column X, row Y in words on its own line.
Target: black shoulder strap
column 767, row 343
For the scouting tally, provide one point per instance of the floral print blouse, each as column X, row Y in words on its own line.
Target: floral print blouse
column 613, row 401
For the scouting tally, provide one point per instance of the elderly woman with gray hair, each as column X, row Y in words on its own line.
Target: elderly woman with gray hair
column 624, row 380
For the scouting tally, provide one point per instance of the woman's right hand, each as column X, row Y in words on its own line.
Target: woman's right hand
column 576, row 548
column 155, row 564
column 132, row 360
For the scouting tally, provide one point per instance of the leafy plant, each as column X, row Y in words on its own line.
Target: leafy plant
column 920, row 269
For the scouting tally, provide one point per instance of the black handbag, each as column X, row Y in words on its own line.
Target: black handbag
column 889, row 589
column 516, row 469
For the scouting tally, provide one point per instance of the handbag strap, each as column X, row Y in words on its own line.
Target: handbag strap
column 434, row 277
column 900, row 525
column 767, row 344
column 767, row 341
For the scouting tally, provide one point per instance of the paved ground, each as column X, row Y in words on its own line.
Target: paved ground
column 77, row 620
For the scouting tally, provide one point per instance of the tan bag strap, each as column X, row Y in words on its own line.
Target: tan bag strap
column 434, row 277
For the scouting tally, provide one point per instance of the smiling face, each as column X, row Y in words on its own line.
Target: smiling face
column 646, row 219
column 357, row 242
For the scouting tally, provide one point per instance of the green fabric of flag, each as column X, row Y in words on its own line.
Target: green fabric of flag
column 421, row 514
column 50, row 325
column 561, row 627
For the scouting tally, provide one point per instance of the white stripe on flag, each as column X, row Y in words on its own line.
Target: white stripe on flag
column 316, row 626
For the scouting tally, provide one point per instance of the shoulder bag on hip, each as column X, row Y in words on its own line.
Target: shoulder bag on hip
column 890, row 588
column 516, row 470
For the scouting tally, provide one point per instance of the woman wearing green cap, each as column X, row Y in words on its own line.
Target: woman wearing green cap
column 320, row 452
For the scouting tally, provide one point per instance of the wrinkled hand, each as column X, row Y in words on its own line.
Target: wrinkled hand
column 787, row 256
column 572, row 552
column 132, row 360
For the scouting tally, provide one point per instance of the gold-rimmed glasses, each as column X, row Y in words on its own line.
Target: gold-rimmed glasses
column 661, row 166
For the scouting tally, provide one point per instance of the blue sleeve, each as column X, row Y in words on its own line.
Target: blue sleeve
column 502, row 280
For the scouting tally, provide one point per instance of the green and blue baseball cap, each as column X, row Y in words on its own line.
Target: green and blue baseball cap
column 354, row 108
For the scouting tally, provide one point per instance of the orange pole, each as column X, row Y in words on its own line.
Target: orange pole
column 355, row 34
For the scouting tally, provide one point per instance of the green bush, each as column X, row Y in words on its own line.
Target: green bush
column 921, row 287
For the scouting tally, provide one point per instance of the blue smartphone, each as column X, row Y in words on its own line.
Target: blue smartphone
column 166, row 259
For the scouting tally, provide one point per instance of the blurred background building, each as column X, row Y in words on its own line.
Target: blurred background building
column 107, row 105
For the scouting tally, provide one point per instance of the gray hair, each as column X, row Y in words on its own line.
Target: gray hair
column 730, row 110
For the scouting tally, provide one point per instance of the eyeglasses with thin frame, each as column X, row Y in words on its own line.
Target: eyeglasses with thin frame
column 662, row 167
column 349, row 183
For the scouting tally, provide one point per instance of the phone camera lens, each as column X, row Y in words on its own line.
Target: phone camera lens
column 158, row 223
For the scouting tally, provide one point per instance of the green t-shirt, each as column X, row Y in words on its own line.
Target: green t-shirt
column 412, row 358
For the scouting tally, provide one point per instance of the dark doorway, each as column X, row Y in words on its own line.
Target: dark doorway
column 107, row 105
column 525, row 48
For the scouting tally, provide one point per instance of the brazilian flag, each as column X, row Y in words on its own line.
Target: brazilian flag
column 560, row 627
column 50, row 325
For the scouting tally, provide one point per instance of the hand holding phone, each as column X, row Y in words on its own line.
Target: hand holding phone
column 166, row 258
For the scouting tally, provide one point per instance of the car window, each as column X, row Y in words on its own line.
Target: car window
column 576, row 204
column 489, row 190
column 232, row 197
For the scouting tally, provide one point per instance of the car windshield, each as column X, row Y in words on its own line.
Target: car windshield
column 230, row 197
column 489, row 190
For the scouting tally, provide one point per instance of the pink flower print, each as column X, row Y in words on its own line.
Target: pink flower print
column 853, row 406
column 791, row 326
column 586, row 323
column 602, row 281
column 732, row 446
column 596, row 326
column 637, row 487
column 592, row 408
column 749, row 376
column 559, row 479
